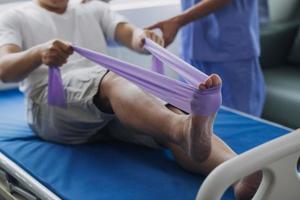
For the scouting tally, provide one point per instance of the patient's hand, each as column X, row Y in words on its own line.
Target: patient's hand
column 134, row 38
column 140, row 41
column 55, row 53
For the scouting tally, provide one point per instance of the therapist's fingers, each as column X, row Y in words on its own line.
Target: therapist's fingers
column 154, row 26
column 168, row 41
column 169, row 36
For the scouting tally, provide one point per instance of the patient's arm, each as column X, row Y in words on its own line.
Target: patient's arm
column 134, row 38
column 16, row 64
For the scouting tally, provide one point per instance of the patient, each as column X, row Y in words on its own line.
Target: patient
column 99, row 99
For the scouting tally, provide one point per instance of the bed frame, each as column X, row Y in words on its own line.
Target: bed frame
column 17, row 184
column 278, row 159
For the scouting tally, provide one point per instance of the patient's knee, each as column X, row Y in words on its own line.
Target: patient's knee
column 111, row 82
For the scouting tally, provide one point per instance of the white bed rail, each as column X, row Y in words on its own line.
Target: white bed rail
column 278, row 159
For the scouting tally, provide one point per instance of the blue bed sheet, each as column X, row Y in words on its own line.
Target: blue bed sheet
column 115, row 170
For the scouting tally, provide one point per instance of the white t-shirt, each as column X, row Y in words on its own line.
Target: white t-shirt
column 87, row 25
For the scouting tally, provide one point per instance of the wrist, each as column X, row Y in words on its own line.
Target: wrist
column 136, row 39
column 36, row 55
column 179, row 20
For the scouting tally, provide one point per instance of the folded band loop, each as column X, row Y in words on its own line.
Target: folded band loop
column 56, row 92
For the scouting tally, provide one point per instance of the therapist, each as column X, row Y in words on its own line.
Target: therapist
column 222, row 36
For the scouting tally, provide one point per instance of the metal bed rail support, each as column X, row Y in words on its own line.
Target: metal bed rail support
column 25, row 180
column 277, row 159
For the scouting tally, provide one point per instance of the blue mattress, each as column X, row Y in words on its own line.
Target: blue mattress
column 115, row 170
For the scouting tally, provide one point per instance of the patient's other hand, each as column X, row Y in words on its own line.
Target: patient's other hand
column 55, row 53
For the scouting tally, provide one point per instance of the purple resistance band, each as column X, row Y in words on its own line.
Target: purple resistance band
column 185, row 96
column 56, row 92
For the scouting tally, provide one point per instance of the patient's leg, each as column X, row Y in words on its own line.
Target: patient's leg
column 246, row 188
column 220, row 152
column 137, row 109
column 186, row 135
column 189, row 137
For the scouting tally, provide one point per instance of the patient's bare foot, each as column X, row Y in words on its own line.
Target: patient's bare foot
column 246, row 188
column 198, row 129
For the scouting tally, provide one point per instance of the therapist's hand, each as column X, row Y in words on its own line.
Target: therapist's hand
column 169, row 29
column 54, row 53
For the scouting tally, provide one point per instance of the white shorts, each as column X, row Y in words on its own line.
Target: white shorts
column 82, row 120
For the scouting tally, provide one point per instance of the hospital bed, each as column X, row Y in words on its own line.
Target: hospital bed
column 34, row 169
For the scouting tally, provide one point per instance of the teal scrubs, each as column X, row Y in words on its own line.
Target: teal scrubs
column 226, row 42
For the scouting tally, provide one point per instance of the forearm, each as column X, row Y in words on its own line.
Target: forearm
column 16, row 66
column 200, row 10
